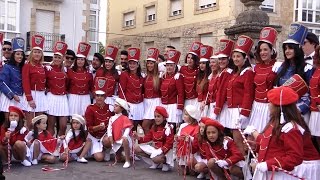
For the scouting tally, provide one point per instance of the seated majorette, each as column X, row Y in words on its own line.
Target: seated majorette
column 97, row 118
column 43, row 146
column 281, row 143
column 186, row 134
column 13, row 132
column 119, row 129
column 76, row 144
column 161, row 135
column 222, row 154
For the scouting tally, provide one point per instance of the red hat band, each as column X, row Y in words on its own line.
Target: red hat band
column 134, row 54
column 268, row 35
column 173, row 56
column 1, row 37
column 152, row 54
column 111, row 52
column 37, row 42
column 244, row 44
column 195, row 48
column 225, row 48
column 161, row 110
column 60, row 48
column 83, row 50
column 16, row 110
column 205, row 53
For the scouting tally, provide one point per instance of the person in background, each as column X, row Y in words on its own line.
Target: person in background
column 96, row 64
column 69, row 59
column 309, row 47
column 6, row 51
column 123, row 66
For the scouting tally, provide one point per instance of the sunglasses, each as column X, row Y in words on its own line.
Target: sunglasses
column 6, row 49
column 123, row 58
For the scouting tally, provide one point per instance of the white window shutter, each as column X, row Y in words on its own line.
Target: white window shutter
column 176, row 5
column 44, row 21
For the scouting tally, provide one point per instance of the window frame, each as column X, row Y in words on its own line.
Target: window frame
column 131, row 21
column 298, row 12
column 179, row 13
column 265, row 8
column 17, row 20
column 199, row 10
column 148, row 21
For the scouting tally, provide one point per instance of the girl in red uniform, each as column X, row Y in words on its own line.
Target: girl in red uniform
column 131, row 87
column 57, row 90
column 107, row 77
column 34, row 81
column 203, row 80
column 263, row 77
column 151, row 89
column 43, row 146
column 162, row 136
column 190, row 73
column 76, row 144
column 80, row 81
column 221, row 152
column 13, row 131
column 212, row 87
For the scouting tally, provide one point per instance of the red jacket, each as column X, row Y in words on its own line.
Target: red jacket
column 57, row 81
column 315, row 90
column 200, row 147
column 212, row 89
column 240, row 91
column 80, row 82
column 96, row 115
column 132, row 86
column 14, row 136
column 47, row 141
column 309, row 151
column 105, row 82
column 263, row 81
column 202, row 94
column 190, row 80
column 159, row 138
column 149, row 90
column 172, row 91
column 184, row 147
column 33, row 78
column 119, row 125
column 221, row 94
column 228, row 151
column 285, row 152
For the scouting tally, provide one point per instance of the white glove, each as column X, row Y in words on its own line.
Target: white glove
column 23, row 130
column 155, row 153
column 168, row 129
column 222, row 163
column 49, row 68
column 179, row 112
column 177, row 76
column 249, row 130
column 263, row 167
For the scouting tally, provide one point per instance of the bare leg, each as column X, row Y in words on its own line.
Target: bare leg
column 146, row 125
column 98, row 156
column 136, row 123
column 63, row 157
column 29, row 116
column 236, row 171
column 62, row 125
column 238, row 140
column 201, row 167
column 48, row 158
column 19, row 150
column 36, row 149
column 85, row 148
column 126, row 148
column 159, row 159
column 139, row 151
column 51, row 124
column 213, row 167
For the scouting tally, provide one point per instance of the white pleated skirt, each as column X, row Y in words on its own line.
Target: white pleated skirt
column 205, row 109
column 43, row 150
column 314, row 123
column 6, row 102
column 117, row 144
column 172, row 113
column 40, row 98
column 136, row 111
column 308, row 169
column 260, row 115
column 211, row 110
column 58, row 105
column 306, row 117
column 78, row 103
column 278, row 175
column 234, row 119
column 224, row 115
column 148, row 149
column 149, row 107
column 190, row 102
column 96, row 145
column 199, row 159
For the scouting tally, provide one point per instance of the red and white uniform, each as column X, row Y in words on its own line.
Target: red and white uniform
column 34, row 86
column 202, row 97
column 212, row 92
column 263, row 81
column 314, row 86
column 199, row 150
column 285, row 152
column 132, row 87
column 107, row 83
column 172, row 96
column 57, row 83
column 80, row 84
column 189, row 83
column 95, row 115
column 14, row 136
column 119, row 126
column 162, row 137
column 151, row 97
column 75, row 144
column 184, row 148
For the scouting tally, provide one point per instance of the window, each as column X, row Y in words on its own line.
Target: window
column 204, row 4
column 94, row 31
column 150, row 13
column 9, row 17
column 93, row 1
column 176, row 7
column 268, row 5
column 44, row 21
column 315, row 31
column 129, row 19
column 307, row 11
column 175, row 42
column 206, row 39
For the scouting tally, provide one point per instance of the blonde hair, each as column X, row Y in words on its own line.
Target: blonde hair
column 155, row 76
column 30, row 58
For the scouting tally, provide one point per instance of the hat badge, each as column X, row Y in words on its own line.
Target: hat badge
column 171, row 54
column 150, row 52
column 110, row 50
column 223, row 45
column 293, row 29
column 101, row 83
column 241, row 41
column 195, row 47
column 60, row 46
column 132, row 52
column 20, row 42
column 203, row 51
column 82, row 47
column 38, row 40
column 265, row 33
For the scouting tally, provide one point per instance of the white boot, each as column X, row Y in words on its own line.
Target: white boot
column 126, row 164
column 153, row 166
column 165, row 167
column 107, row 155
column 82, row 160
column 35, row 161
column 201, row 176
column 26, row 163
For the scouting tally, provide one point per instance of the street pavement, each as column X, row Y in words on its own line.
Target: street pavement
column 93, row 170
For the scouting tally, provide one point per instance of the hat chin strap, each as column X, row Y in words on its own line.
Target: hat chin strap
column 282, row 121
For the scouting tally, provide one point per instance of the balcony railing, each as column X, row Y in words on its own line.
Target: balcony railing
column 50, row 39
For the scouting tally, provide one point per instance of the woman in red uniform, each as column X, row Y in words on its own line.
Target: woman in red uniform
column 57, row 90
column 212, row 87
column 203, row 79
column 263, row 78
column 190, row 73
column 131, row 87
column 172, row 92
column 34, row 81
column 107, row 77
column 80, row 81
column 151, row 89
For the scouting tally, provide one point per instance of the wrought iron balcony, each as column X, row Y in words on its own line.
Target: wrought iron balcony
column 50, row 39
